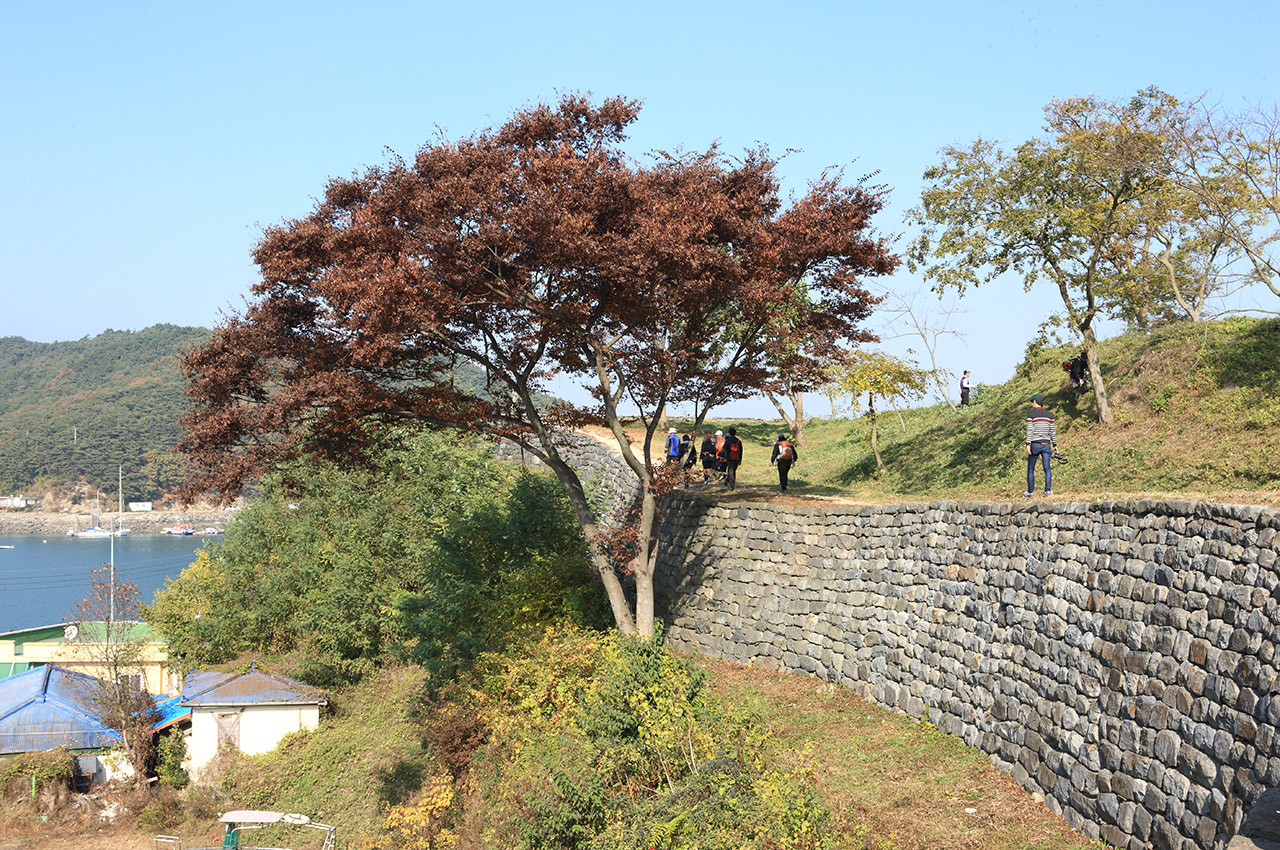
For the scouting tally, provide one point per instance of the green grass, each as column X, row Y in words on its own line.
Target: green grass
column 1197, row 416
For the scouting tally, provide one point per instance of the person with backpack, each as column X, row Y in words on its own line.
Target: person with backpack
column 688, row 453
column 732, row 458
column 673, row 446
column 708, row 452
column 784, row 455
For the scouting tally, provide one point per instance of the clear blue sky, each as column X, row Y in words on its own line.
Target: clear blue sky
column 145, row 145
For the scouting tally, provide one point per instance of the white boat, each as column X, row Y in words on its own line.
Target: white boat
column 96, row 531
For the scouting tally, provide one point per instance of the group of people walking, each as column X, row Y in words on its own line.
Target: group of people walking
column 721, row 455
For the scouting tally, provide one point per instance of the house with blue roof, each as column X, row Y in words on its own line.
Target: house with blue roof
column 249, row 711
column 51, row 707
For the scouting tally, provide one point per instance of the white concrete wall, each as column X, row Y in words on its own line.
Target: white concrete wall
column 261, row 728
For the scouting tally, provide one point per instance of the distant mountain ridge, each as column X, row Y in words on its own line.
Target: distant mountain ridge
column 73, row 412
column 76, row 411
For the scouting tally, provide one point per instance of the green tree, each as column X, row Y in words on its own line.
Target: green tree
column 1068, row 207
column 435, row 549
column 1229, row 163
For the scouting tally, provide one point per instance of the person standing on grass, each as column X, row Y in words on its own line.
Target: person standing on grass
column 965, row 386
column 784, row 454
column 732, row 458
column 1042, row 442
column 708, row 452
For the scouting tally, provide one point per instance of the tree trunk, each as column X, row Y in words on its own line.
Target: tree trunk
column 875, row 443
column 795, row 423
column 645, row 562
column 1105, row 415
column 596, row 549
column 797, row 427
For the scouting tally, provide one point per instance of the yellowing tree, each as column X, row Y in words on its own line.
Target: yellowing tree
column 879, row 374
column 418, row 825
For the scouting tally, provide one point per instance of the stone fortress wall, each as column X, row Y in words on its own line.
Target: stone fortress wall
column 610, row 484
column 1117, row 659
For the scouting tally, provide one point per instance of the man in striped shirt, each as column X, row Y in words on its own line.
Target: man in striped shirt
column 1042, row 442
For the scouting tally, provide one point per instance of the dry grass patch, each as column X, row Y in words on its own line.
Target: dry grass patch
column 917, row 788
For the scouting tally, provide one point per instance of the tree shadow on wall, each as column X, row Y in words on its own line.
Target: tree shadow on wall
column 673, row 554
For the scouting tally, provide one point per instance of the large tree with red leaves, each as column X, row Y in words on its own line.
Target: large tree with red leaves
column 532, row 250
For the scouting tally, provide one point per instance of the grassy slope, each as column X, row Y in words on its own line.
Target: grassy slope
column 1197, row 410
column 903, row 783
column 910, row 784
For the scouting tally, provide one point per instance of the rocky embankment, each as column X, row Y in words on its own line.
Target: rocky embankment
column 141, row 522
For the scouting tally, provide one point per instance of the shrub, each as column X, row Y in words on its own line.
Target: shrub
column 170, row 752
column 27, row 772
column 609, row 741
column 418, row 825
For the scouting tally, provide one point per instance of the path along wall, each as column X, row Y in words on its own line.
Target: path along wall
column 1117, row 659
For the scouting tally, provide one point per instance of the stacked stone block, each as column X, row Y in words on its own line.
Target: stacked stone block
column 610, row 484
column 1117, row 659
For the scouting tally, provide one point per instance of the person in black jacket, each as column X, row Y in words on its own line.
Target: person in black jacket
column 688, row 454
column 708, row 452
column 784, row 455
column 732, row 458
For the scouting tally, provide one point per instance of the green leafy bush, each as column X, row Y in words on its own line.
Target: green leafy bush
column 170, row 751
column 603, row 741
column 21, row 774
column 435, row 550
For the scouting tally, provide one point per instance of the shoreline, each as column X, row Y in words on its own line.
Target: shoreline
column 140, row 522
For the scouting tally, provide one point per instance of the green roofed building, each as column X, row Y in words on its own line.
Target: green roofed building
column 80, row 646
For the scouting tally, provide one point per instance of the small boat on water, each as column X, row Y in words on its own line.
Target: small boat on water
column 6, row 546
column 180, row 530
column 96, row 530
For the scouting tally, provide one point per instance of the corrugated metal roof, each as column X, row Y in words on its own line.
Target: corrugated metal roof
column 50, row 707
column 35, row 633
column 252, row 687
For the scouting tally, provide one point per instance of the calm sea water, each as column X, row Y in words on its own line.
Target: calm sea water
column 42, row 579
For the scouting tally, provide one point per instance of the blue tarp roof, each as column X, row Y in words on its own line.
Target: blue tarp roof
column 171, row 710
column 50, row 707
column 252, row 687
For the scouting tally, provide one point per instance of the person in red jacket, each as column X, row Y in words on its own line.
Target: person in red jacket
column 732, row 458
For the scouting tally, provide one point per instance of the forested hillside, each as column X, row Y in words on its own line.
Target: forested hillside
column 75, row 411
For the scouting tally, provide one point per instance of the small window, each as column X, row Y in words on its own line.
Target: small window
column 17, row 649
